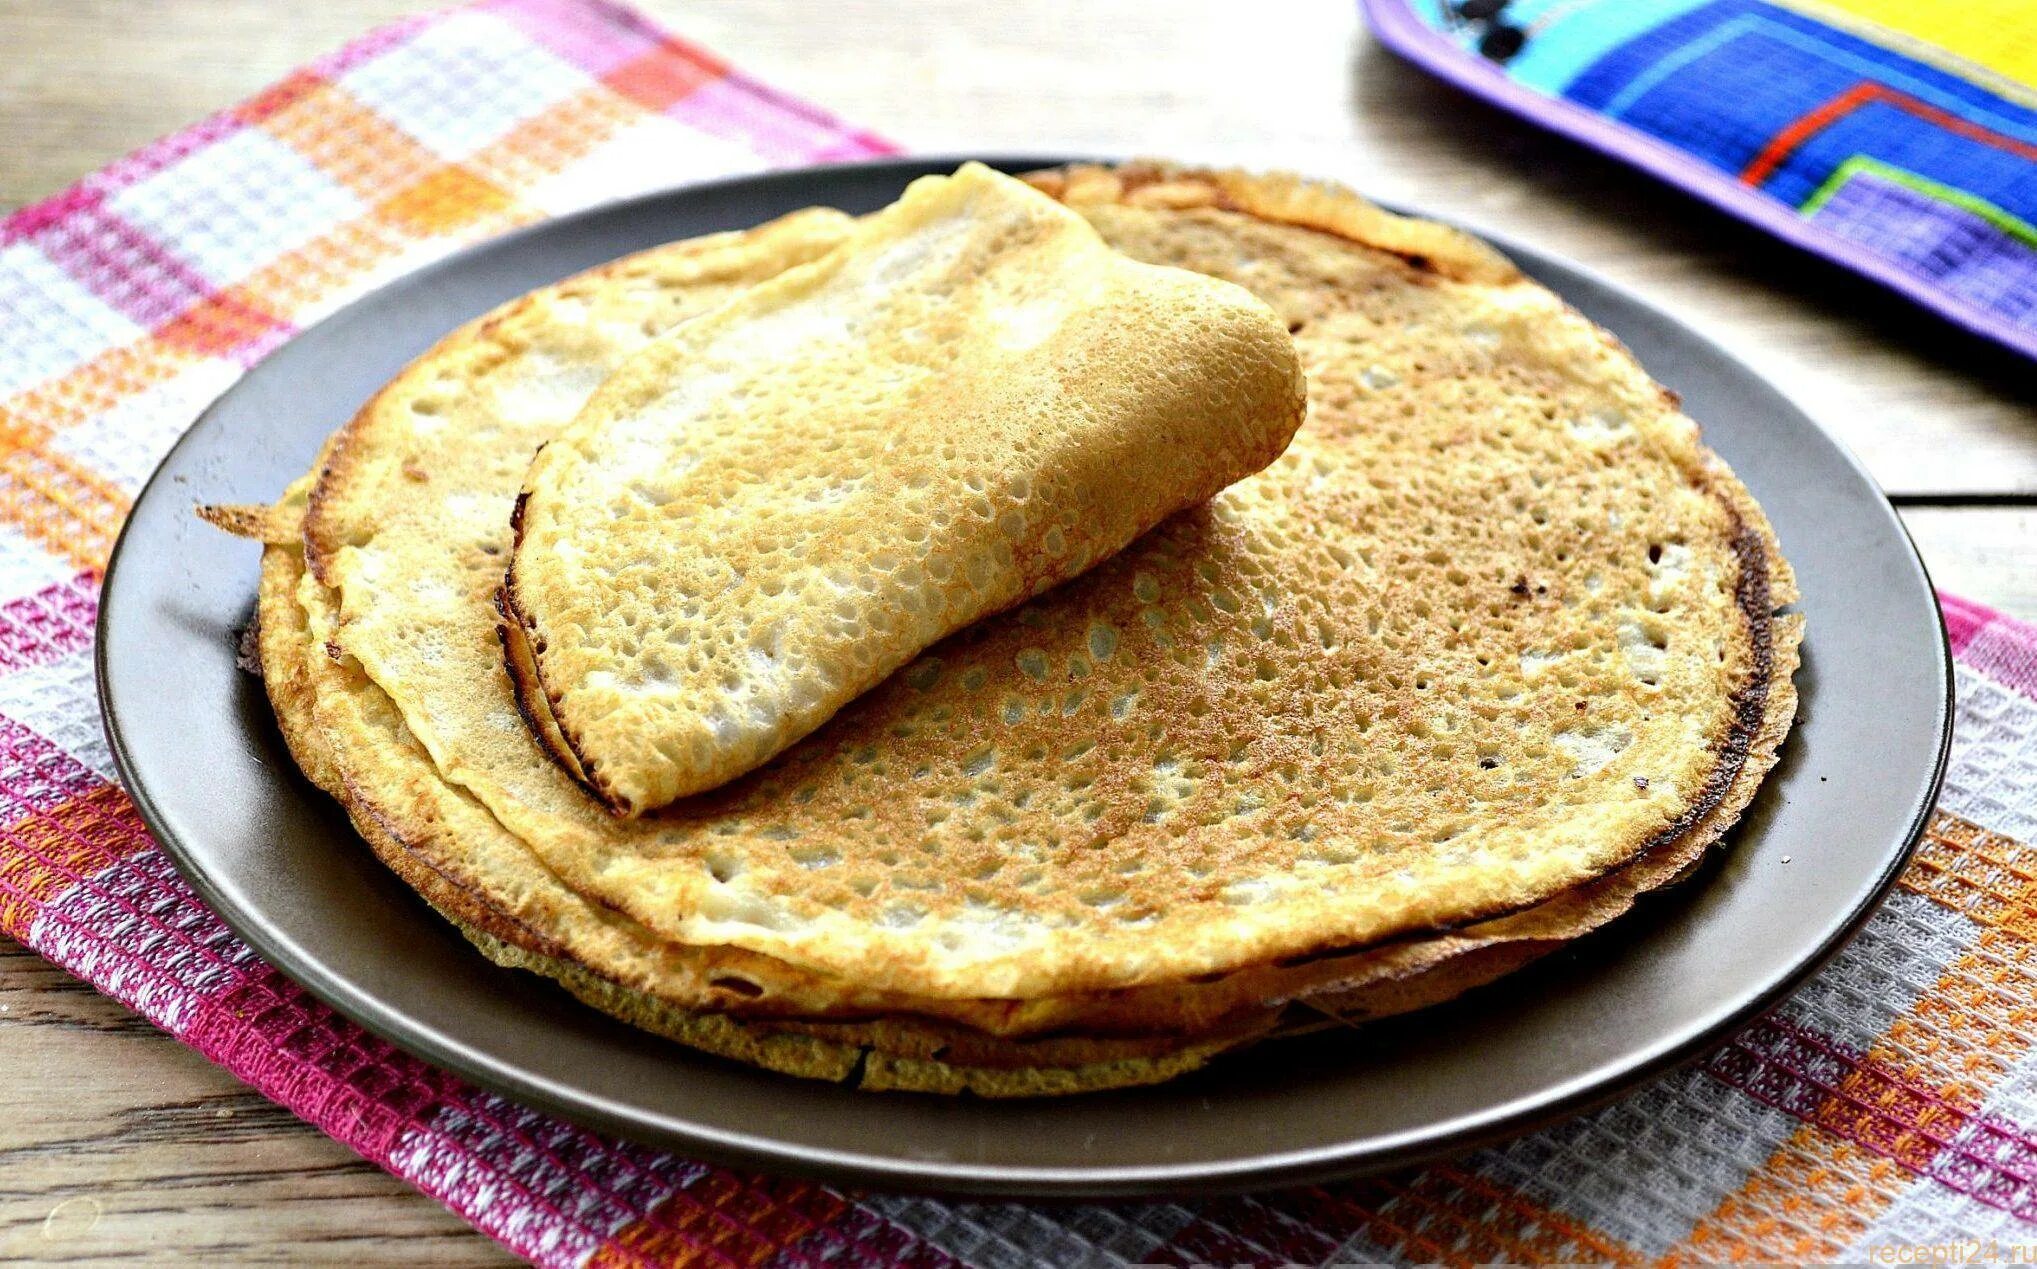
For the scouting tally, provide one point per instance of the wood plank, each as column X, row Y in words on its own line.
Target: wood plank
column 1986, row 554
column 119, row 1141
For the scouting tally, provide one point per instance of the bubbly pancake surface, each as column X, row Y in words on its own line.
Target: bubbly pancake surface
column 766, row 511
column 346, row 737
column 409, row 523
column 354, row 740
column 344, row 733
column 1493, row 626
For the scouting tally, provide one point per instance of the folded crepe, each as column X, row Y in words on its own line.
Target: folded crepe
column 765, row 512
column 1492, row 650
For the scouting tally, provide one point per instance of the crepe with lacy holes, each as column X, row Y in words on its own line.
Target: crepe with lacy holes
column 346, row 736
column 765, row 512
column 1338, row 706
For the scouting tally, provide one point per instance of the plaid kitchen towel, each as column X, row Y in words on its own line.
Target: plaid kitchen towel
column 1891, row 1105
column 1897, row 137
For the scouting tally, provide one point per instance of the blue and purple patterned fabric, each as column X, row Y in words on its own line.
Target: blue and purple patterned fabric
column 1897, row 137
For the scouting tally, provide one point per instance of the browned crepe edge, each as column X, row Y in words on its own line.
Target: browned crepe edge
column 271, row 526
column 910, row 1053
column 533, row 703
column 902, row 1053
column 521, row 645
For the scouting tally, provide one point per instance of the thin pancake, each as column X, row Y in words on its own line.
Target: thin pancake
column 467, row 867
column 1493, row 626
column 766, row 511
column 394, row 795
column 563, row 333
column 321, row 703
column 1397, row 975
column 884, row 1055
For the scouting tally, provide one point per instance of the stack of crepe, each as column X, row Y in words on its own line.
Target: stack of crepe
column 934, row 651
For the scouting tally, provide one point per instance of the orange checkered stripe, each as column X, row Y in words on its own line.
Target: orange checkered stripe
column 1871, row 1123
column 412, row 196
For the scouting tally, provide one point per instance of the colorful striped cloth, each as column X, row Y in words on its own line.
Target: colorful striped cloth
column 1892, row 1103
column 1897, row 137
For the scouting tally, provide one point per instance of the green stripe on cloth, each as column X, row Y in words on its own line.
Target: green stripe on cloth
column 2014, row 226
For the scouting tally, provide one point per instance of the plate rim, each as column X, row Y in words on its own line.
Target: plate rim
column 1063, row 1182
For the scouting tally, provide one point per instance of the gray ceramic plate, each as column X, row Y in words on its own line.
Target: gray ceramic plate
column 195, row 742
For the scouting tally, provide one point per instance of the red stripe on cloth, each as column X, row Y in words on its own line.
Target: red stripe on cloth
column 271, row 1033
column 542, row 1187
column 1963, row 620
column 53, row 622
column 50, row 213
column 510, row 1171
column 1795, row 1070
column 1802, row 129
column 658, row 78
column 1786, row 142
column 129, row 269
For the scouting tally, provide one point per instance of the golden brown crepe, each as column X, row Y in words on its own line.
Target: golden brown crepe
column 768, row 510
column 1490, row 651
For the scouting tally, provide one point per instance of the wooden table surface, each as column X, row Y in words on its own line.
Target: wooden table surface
column 116, row 1141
